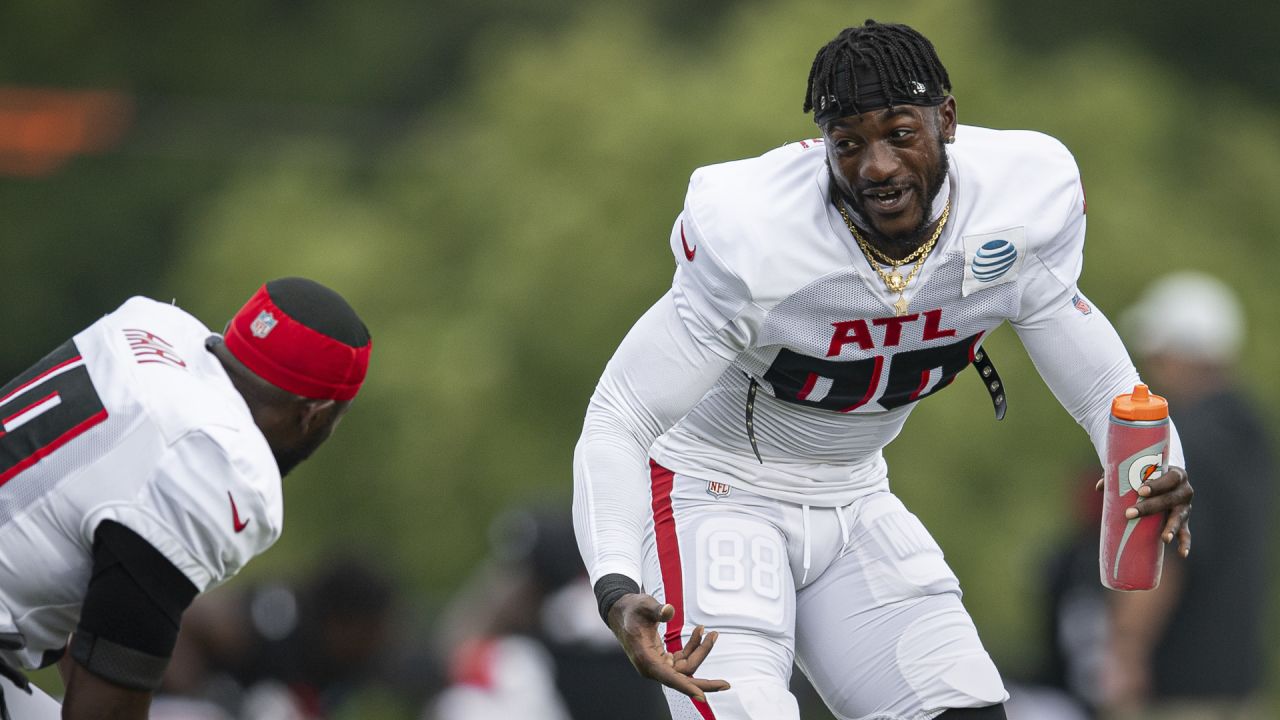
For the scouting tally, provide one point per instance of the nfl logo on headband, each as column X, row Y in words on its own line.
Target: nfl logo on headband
column 263, row 325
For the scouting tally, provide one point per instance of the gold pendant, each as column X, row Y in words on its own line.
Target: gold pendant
column 900, row 307
column 895, row 282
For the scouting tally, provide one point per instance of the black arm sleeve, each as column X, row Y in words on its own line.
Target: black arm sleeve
column 132, row 610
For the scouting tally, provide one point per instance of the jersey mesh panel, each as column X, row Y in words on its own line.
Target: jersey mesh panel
column 42, row 478
column 682, row 706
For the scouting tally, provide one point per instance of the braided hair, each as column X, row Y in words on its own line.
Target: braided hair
column 874, row 66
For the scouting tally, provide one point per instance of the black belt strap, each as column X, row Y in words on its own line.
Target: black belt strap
column 13, row 641
column 991, row 379
column 751, row 417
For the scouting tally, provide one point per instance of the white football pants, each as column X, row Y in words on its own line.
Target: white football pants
column 859, row 597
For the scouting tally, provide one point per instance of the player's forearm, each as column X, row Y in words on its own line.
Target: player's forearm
column 657, row 374
column 1084, row 363
column 610, row 497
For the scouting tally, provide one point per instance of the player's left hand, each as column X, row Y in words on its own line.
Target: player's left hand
column 1169, row 493
column 634, row 619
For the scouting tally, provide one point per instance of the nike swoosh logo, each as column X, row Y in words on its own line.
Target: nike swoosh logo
column 235, row 515
column 688, row 251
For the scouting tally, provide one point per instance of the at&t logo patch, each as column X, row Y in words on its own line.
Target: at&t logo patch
column 993, row 259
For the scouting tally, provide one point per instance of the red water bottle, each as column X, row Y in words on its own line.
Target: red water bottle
column 1131, row 553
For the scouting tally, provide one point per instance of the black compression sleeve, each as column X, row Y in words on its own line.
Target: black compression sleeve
column 132, row 610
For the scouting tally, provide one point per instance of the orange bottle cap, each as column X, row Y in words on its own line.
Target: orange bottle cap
column 1141, row 404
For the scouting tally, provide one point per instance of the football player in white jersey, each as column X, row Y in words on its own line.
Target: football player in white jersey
column 140, row 465
column 729, row 473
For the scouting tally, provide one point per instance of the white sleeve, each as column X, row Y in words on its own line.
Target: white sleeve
column 711, row 298
column 1072, row 344
column 671, row 357
column 657, row 375
column 204, row 510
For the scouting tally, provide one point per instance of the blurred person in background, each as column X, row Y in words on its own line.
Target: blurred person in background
column 1195, row 648
column 281, row 651
column 1074, row 623
column 730, row 470
column 141, row 464
column 522, row 638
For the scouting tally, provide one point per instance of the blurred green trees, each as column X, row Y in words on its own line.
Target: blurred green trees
column 505, row 227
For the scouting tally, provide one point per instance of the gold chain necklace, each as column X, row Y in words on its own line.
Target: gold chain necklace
column 893, row 280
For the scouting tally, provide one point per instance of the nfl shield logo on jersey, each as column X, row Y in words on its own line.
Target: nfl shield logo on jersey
column 263, row 324
column 717, row 489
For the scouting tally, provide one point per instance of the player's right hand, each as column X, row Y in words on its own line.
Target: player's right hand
column 634, row 620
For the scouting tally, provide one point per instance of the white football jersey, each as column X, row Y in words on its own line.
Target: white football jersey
column 133, row 421
column 772, row 289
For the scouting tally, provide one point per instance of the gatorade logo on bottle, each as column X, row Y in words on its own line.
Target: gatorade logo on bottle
column 1147, row 464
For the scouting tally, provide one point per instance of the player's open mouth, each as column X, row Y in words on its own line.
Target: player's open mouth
column 887, row 200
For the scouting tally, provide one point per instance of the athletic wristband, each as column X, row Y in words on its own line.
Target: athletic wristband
column 610, row 588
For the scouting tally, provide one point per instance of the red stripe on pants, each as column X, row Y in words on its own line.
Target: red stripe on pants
column 664, row 529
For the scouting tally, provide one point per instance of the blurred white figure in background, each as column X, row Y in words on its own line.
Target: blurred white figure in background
column 1187, row 331
column 1189, row 315
column 180, row 708
column 523, row 638
column 500, row 679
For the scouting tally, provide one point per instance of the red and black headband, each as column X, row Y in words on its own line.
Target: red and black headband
column 303, row 338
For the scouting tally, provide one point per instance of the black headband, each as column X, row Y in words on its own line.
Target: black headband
column 871, row 94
